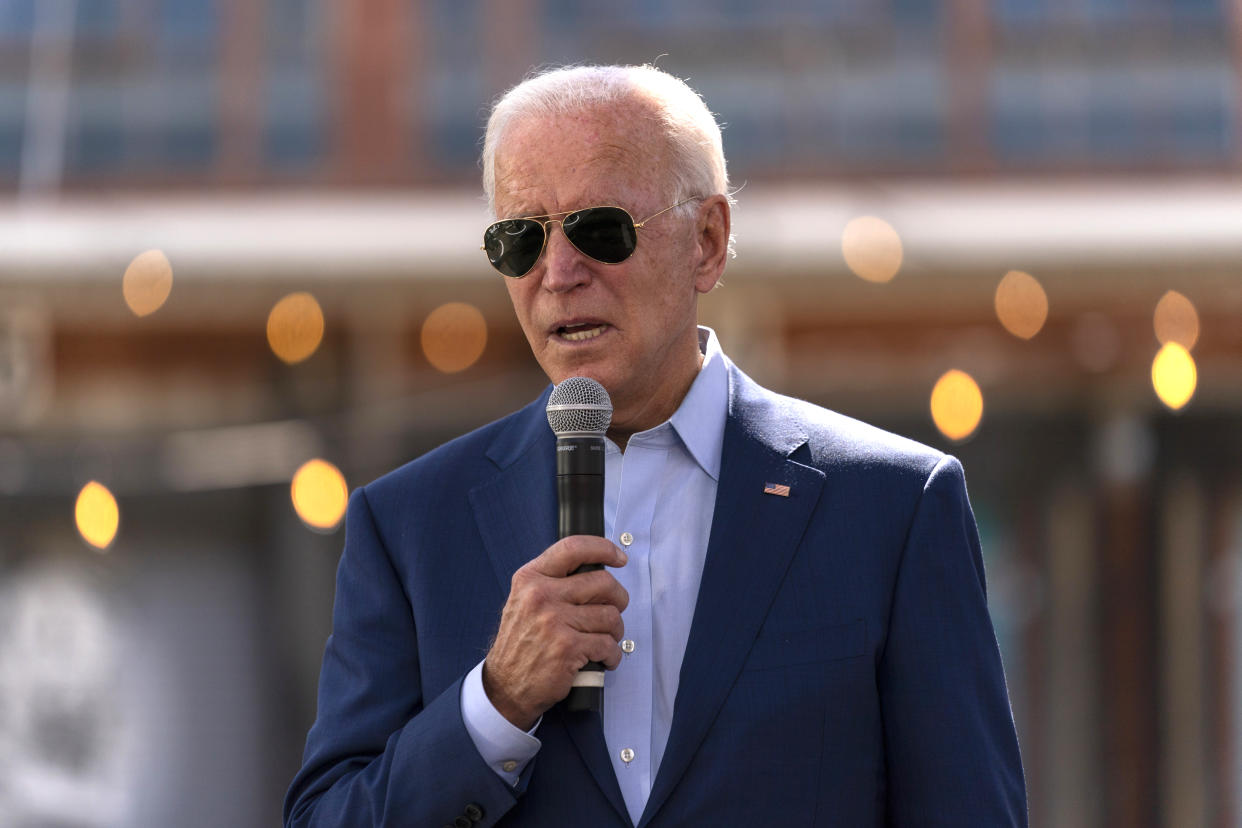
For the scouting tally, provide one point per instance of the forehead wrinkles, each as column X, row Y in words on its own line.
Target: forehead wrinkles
column 578, row 157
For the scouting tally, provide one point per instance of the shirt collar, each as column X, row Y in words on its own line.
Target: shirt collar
column 700, row 419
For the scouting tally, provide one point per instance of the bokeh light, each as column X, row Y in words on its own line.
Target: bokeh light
column 96, row 515
column 956, row 404
column 1176, row 320
column 1174, row 376
column 319, row 494
column 147, row 282
column 1021, row 304
column 295, row 327
column 454, row 336
column 872, row 248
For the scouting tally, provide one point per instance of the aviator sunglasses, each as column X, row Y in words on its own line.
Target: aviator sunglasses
column 605, row 234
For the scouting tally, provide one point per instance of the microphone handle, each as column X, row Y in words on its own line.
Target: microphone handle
column 580, row 499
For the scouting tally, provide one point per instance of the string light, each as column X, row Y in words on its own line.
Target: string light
column 956, row 404
column 1174, row 376
column 1176, row 320
column 97, row 515
column 147, row 282
column 1021, row 304
column 454, row 336
column 872, row 249
column 295, row 327
column 319, row 495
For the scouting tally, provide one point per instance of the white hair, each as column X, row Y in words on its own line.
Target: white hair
column 697, row 157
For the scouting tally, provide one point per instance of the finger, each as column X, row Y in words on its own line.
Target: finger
column 598, row 618
column 603, row 648
column 567, row 554
column 598, row 587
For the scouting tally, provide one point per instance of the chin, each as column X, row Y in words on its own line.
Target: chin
column 562, row 371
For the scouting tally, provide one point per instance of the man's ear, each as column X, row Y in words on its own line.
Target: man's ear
column 712, row 234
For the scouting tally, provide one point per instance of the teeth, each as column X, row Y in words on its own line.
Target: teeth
column 583, row 333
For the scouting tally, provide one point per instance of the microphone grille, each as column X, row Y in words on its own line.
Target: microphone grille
column 579, row 404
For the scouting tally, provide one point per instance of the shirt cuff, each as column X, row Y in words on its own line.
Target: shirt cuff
column 505, row 747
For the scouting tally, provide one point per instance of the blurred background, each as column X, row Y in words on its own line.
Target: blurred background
column 240, row 275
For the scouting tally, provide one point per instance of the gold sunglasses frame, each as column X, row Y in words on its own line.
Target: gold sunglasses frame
column 550, row 218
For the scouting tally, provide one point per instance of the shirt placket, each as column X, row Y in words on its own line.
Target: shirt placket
column 628, row 693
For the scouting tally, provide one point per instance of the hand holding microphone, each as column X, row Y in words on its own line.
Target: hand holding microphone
column 562, row 623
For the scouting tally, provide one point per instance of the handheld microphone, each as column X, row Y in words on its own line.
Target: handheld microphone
column 579, row 412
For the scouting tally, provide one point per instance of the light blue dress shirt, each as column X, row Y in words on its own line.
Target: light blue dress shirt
column 659, row 497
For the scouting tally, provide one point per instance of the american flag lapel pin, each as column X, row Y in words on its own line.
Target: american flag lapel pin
column 779, row 489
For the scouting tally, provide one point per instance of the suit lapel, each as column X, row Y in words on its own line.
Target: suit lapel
column 753, row 539
column 515, row 512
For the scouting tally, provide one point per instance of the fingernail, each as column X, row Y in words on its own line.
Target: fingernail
column 624, row 557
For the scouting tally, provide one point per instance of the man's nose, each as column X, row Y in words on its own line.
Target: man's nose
column 564, row 266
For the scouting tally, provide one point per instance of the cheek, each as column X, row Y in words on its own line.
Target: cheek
column 524, row 313
column 670, row 268
column 518, row 296
column 668, row 289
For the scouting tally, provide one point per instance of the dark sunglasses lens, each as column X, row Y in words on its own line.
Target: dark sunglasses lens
column 606, row 234
column 513, row 245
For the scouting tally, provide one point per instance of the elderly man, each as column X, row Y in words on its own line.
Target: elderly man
column 793, row 613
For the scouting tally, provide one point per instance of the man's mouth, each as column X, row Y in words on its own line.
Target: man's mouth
column 581, row 332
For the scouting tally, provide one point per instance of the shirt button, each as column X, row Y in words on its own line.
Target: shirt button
column 627, row 646
column 509, row 766
column 626, row 538
column 627, row 755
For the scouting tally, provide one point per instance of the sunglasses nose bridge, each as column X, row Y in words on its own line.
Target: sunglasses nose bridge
column 563, row 262
column 547, row 234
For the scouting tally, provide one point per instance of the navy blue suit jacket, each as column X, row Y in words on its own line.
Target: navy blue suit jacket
column 841, row 667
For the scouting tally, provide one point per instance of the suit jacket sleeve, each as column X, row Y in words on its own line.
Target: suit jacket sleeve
column 379, row 753
column 951, row 749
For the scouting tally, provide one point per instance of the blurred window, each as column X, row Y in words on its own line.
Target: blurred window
column 1197, row 9
column 1129, row 84
column 97, row 17
column 893, row 112
column 1201, row 108
column 16, row 17
column 1124, row 113
column 189, row 20
column 1119, row 126
column 1039, row 113
column 921, row 12
column 12, row 123
column 1025, row 12
column 96, row 140
column 1129, row 11
column 187, row 136
column 455, row 96
column 180, row 107
column 293, row 104
column 145, row 89
column 1107, row 12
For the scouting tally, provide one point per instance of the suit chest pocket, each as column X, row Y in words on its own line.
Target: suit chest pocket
column 817, row 644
